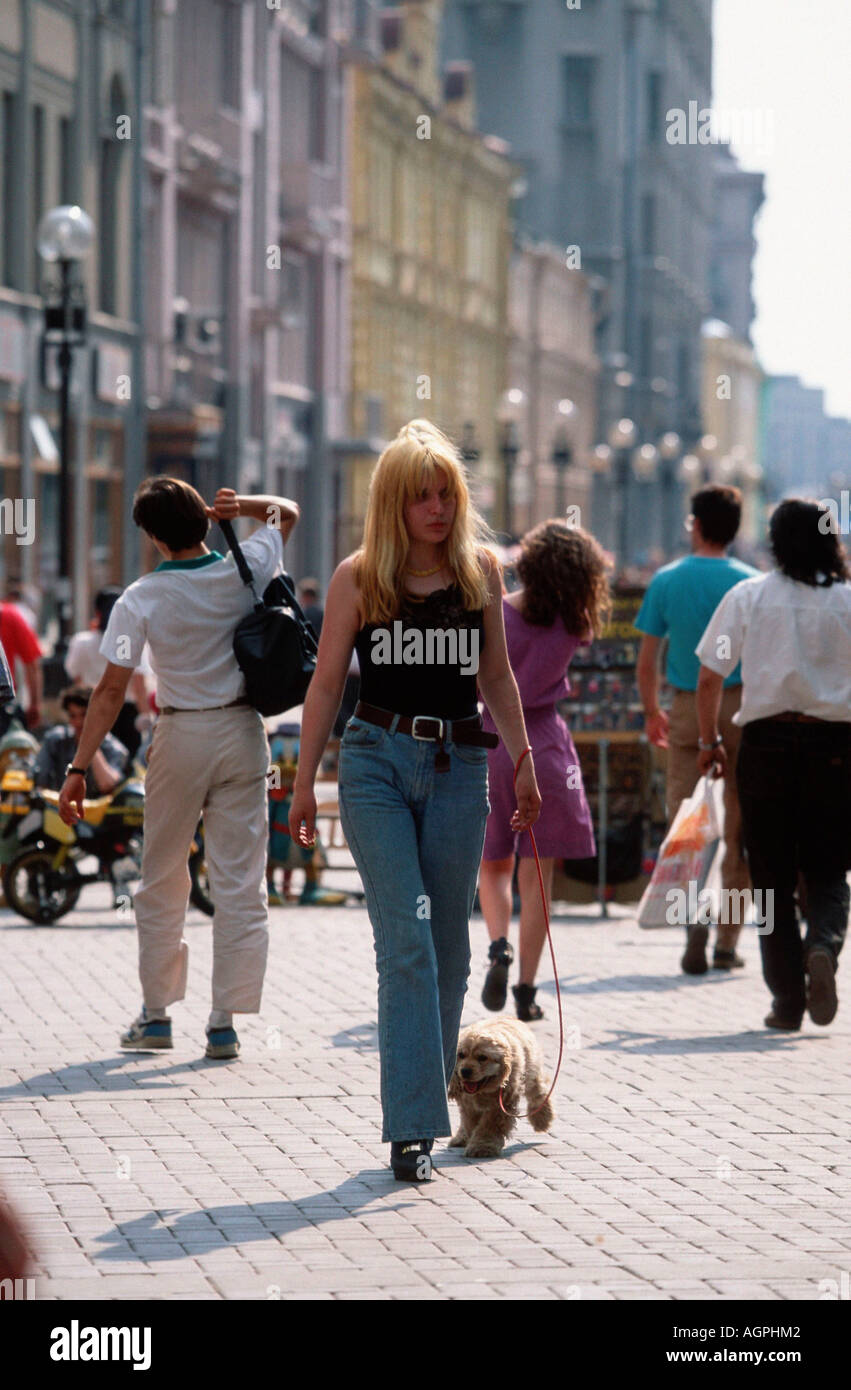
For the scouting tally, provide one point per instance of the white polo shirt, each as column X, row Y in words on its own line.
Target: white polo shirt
column 794, row 643
column 187, row 611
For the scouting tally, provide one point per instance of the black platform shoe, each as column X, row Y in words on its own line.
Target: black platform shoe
column 496, row 981
column 410, row 1160
column 524, row 998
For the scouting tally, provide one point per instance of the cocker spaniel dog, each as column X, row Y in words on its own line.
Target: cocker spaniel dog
column 498, row 1055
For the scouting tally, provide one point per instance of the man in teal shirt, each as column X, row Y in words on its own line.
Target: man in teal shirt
column 680, row 600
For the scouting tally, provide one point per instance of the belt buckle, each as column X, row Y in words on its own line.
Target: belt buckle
column 430, row 719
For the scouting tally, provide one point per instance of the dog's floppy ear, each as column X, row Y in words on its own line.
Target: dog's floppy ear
column 506, row 1067
column 454, row 1092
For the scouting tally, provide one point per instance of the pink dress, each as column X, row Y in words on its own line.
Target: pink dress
column 539, row 657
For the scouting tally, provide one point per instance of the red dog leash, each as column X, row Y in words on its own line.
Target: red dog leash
column 555, row 966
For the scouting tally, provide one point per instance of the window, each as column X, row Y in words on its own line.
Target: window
column 230, row 55
column 578, row 89
column 48, row 529
column 297, row 291
column 36, row 190
column 645, row 347
column 108, row 230
column 316, row 132
column 648, row 225
column 7, row 137
column 66, row 160
column 654, row 110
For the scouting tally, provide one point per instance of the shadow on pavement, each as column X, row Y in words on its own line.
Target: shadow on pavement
column 100, row 1077
column 361, row 1035
column 634, row 984
column 253, row 1222
column 272, row 1220
column 758, row 1040
column 10, row 922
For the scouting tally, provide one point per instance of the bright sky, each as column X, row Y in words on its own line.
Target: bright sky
column 791, row 59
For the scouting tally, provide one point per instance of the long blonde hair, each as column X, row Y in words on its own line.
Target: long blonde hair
column 407, row 466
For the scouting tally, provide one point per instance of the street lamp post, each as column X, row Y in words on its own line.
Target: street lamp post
column 64, row 236
column 670, row 447
column 509, row 414
column 562, row 455
column 622, row 438
column 510, row 450
column 707, row 452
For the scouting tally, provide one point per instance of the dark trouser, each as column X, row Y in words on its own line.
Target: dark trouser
column 795, row 794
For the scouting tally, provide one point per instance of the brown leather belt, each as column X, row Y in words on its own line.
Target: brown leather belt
column 206, row 709
column 431, row 729
column 791, row 716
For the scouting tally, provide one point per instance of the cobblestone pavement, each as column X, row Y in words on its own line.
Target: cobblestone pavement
column 694, row 1154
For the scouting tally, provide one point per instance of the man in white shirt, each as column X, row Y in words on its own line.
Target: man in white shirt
column 209, row 751
column 791, row 629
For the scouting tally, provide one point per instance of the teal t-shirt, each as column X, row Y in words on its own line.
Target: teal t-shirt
column 679, row 602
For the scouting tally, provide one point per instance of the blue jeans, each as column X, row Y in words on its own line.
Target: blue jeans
column 416, row 836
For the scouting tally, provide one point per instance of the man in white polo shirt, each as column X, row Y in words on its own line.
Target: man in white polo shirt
column 791, row 629
column 209, row 751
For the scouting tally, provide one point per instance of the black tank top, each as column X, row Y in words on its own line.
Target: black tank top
column 417, row 664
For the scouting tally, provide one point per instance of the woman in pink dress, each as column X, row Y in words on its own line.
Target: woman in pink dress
column 564, row 601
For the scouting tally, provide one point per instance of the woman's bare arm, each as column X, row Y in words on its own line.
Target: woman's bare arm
column 340, row 626
column 496, row 678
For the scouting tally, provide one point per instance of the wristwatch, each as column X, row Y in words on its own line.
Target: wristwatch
column 71, row 770
column 707, row 747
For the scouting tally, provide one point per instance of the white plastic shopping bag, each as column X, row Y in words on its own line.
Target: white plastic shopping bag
column 677, row 891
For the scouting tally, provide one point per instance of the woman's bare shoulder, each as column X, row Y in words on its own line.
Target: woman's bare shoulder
column 344, row 575
column 488, row 560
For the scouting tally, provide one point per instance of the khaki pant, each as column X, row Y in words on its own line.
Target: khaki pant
column 215, row 761
column 683, row 735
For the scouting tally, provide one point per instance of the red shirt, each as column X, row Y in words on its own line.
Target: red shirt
column 19, row 641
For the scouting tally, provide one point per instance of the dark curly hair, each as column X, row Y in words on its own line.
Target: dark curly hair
column 803, row 539
column 563, row 572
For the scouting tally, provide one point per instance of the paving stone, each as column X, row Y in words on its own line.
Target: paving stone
column 694, row 1156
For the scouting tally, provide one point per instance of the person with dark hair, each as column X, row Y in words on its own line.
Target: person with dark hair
column 564, row 601
column 209, row 751
column 791, row 631
column 307, row 593
column 85, row 665
column 108, row 767
column 679, row 602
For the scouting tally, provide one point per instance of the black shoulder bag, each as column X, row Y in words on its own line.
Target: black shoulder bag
column 275, row 646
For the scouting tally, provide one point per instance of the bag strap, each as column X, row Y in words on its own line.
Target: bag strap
column 241, row 563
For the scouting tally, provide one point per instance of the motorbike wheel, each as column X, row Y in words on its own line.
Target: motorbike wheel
column 37, row 891
column 199, row 893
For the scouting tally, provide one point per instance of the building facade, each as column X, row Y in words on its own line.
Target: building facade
column 549, row 410
column 738, row 195
column 805, row 452
column 731, row 397
column 67, row 113
column 585, row 96
column 431, row 243
column 732, row 405
column 248, row 245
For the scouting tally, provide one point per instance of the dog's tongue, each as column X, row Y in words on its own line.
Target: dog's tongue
column 471, row 1087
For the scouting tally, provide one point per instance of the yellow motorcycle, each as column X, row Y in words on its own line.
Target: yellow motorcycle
column 46, row 873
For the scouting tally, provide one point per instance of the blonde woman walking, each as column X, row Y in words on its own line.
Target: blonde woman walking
column 421, row 602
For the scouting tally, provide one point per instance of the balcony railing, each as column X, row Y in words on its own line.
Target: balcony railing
column 309, row 191
column 210, row 144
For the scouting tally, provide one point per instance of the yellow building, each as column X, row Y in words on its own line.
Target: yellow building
column 431, row 244
column 730, row 405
